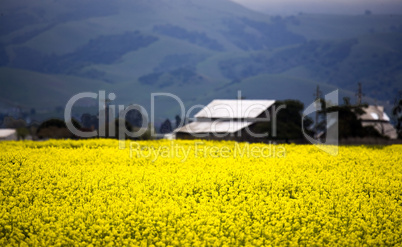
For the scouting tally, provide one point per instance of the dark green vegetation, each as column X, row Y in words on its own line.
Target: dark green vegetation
column 349, row 124
column 264, row 35
column 197, row 49
column 55, row 129
column 397, row 113
column 192, row 37
column 102, row 50
column 288, row 125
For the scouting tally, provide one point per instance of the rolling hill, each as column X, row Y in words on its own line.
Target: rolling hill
column 196, row 49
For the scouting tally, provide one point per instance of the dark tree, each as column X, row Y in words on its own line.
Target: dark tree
column 134, row 117
column 288, row 122
column 349, row 122
column 89, row 121
column 397, row 112
column 22, row 133
column 166, row 127
column 56, row 129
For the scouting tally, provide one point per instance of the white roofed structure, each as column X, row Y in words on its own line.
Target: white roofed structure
column 234, row 109
column 376, row 117
column 374, row 113
column 229, row 117
column 214, row 127
column 8, row 134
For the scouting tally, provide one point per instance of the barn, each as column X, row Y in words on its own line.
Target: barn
column 8, row 134
column 375, row 116
column 228, row 120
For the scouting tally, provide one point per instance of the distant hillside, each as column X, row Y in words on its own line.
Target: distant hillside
column 197, row 49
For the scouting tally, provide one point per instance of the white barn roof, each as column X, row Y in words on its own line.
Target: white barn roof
column 374, row 113
column 234, row 109
column 214, row 127
column 8, row 134
column 376, row 117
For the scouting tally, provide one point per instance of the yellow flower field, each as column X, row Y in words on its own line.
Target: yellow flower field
column 193, row 193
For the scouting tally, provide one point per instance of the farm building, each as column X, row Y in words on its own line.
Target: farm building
column 8, row 134
column 227, row 120
column 376, row 117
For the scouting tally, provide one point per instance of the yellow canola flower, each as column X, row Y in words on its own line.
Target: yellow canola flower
column 198, row 193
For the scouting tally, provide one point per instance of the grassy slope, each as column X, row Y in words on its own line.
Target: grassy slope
column 25, row 87
column 45, row 90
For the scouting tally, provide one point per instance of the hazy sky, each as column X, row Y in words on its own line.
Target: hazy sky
column 324, row 6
